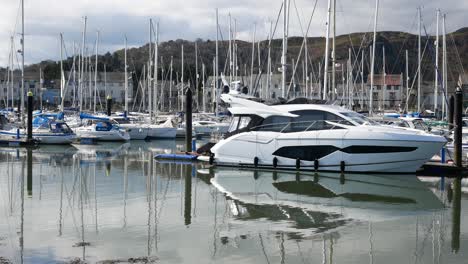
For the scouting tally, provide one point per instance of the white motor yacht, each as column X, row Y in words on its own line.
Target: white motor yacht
column 319, row 137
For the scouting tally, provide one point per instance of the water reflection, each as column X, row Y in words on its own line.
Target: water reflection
column 116, row 203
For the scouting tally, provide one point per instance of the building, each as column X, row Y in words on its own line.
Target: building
column 48, row 91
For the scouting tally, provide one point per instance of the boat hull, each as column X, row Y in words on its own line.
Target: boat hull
column 350, row 151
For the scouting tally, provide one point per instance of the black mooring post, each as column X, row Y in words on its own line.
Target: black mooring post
column 188, row 120
column 458, row 119
column 29, row 179
column 451, row 109
column 109, row 105
column 30, row 109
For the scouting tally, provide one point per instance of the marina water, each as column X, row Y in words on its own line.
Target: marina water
column 114, row 202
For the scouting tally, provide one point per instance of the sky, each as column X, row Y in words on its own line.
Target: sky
column 191, row 19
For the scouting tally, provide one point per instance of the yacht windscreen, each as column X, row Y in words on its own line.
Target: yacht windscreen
column 358, row 118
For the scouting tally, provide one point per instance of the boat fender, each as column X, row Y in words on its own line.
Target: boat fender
column 211, row 159
column 298, row 164
column 316, row 164
column 275, row 162
column 256, row 162
column 342, row 166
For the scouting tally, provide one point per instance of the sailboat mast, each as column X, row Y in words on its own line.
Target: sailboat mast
column 170, row 85
column 96, row 70
column 371, row 95
column 253, row 58
column 407, row 80
column 333, row 88
column 384, row 74
column 231, row 64
column 203, row 88
column 436, row 77
column 126, row 78
column 62, row 76
column 22, row 59
column 362, row 79
column 444, row 67
column 82, row 65
column 155, row 82
column 182, row 79
column 285, row 47
column 419, row 60
column 196, row 75
column 148, row 83
column 215, row 94
column 327, row 44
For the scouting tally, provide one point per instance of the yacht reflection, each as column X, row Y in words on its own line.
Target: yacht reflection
column 323, row 201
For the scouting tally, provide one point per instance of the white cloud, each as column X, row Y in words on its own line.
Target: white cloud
column 45, row 19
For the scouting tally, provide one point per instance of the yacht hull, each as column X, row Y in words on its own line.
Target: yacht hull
column 104, row 135
column 162, row 132
column 44, row 137
column 332, row 150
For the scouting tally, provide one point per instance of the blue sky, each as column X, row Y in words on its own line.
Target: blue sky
column 189, row 19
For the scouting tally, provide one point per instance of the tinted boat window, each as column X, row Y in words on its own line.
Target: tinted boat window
column 315, row 120
column 244, row 121
column 234, row 123
column 274, row 123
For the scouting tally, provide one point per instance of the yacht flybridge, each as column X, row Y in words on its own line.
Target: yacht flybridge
column 319, row 137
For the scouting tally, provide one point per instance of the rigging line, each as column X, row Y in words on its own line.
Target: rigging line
column 403, row 45
column 417, row 72
column 462, row 70
column 302, row 46
column 432, row 52
column 254, row 90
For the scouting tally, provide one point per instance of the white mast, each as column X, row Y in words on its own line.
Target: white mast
column 253, row 58
column 444, row 66
column 384, row 74
column 362, row 80
column 268, row 86
column 82, row 65
column 436, row 77
column 407, row 80
column 22, row 58
column 419, row 59
column 327, row 44
column 150, row 94
column 306, row 60
column 196, row 74
column 170, row 86
column 155, row 82
column 231, row 64
column 182, row 79
column 285, row 48
column 373, row 58
column 215, row 94
column 203, row 88
column 333, row 54
column 126, row 78
column 96, row 70
column 62, row 76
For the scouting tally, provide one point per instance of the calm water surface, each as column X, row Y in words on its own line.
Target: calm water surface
column 113, row 202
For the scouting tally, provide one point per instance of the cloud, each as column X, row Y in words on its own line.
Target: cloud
column 45, row 19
